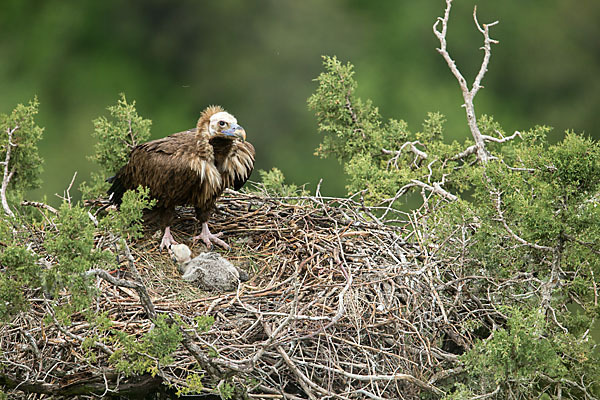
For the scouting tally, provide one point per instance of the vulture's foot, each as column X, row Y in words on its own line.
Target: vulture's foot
column 209, row 238
column 167, row 239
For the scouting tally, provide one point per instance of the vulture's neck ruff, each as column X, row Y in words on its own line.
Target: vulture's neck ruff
column 202, row 161
column 216, row 131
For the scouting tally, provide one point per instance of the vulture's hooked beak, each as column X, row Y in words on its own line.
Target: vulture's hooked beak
column 235, row 131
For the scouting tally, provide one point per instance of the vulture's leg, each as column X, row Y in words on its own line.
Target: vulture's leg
column 209, row 238
column 167, row 239
column 165, row 216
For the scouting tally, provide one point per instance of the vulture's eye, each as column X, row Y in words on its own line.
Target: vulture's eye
column 221, row 123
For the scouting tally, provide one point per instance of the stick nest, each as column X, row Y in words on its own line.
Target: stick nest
column 338, row 305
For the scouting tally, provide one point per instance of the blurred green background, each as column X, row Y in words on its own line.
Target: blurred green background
column 259, row 58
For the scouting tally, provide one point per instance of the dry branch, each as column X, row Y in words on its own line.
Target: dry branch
column 419, row 154
column 39, row 204
column 435, row 188
column 8, row 171
column 468, row 94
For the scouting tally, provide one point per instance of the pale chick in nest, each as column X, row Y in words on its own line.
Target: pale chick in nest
column 209, row 271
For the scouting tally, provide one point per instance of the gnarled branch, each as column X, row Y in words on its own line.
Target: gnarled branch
column 8, row 172
column 468, row 94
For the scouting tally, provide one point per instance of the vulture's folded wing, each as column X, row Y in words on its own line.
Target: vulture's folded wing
column 173, row 169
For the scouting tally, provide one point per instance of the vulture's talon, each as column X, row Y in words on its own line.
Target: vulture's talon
column 209, row 238
column 167, row 239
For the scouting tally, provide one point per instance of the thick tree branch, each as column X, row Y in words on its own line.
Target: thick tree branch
column 8, row 172
column 141, row 288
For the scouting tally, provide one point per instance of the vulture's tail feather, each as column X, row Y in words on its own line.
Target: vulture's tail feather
column 116, row 191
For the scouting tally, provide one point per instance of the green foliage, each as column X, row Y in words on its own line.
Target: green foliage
column 527, row 354
column 116, row 136
column 19, row 272
column 460, row 392
column 204, row 323
column 518, row 352
column 72, row 247
column 372, row 151
column 548, row 197
column 146, row 354
column 226, row 390
column 350, row 125
column 24, row 157
column 274, row 184
column 127, row 221
column 193, row 383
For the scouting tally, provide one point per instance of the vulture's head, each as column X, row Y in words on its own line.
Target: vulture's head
column 217, row 122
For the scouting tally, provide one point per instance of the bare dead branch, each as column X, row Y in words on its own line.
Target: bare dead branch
column 487, row 395
column 8, row 171
column 487, row 51
column 468, row 94
column 67, row 195
column 419, row 154
column 473, row 149
column 39, row 204
column 435, row 188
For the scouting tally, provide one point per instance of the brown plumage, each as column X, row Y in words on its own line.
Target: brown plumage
column 189, row 168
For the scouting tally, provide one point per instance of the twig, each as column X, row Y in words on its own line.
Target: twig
column 306, row 384
column 67, row 195
column 39, row 204
column 487, row 395
column 419, row 154
column 341, row 309
column 275, row 334
column 73, row 336
column 388, row 313
column 593, row 247
column 435, row 188
column 140, row 287
column 473, row 149
column 510, row 231
column 381, row 377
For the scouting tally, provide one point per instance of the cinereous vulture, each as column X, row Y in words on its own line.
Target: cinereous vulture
column 189, row 168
